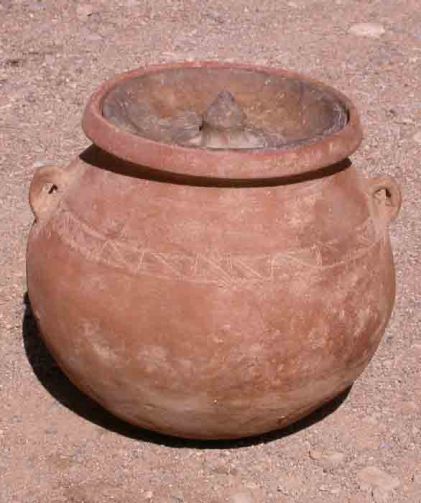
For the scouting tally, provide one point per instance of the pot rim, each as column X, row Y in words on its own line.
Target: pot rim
column 232, row 164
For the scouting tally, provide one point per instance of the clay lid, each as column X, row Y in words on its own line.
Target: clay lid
column 222, row 120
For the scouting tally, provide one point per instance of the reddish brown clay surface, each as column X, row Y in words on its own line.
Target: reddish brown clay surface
column 213, row 307
column 298, row 111
column 57, row 446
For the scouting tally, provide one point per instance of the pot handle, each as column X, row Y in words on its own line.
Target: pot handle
column 46, row 185
column 386, row 193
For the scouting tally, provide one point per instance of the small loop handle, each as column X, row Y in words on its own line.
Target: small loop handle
column 45, row 186
column 386, row 193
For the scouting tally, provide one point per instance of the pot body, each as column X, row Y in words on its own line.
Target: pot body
column 209, row 311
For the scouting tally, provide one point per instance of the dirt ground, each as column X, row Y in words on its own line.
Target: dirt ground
column 58, row 446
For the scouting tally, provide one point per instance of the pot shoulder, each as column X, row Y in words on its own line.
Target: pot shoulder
column 320, row 217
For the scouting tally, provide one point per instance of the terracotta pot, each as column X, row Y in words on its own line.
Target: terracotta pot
column 213, row 292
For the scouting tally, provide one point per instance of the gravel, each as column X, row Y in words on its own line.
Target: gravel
column 58, row 446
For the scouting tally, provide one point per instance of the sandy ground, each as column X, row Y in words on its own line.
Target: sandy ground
column 56, row 445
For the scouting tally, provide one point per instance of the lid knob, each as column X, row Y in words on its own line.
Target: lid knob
column 224, row 113
column 222, row 126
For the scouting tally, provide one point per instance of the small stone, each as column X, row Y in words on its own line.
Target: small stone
column 372, row 477
column 355, row 498
column 405, row 121
column 335, row 458
column 243, row 496
column 370, row 420
column 282, row 490
column 148, row 495
column 370, row 30
column 36, row 6
column 220, row 469
column 84, row 10
column 93, row 37
column 50, row 431
column 314, row 454
column 416, row 478
column 417, row 137
column 328, row 459
column 49, row 59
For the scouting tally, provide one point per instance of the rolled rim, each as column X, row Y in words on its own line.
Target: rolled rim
column 232, row 164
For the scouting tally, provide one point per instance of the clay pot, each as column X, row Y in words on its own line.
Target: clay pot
column 199, row 287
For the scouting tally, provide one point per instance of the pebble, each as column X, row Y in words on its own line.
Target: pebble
column 315, row 454
column 335, row 458
column 243, row 496
column 84, row 10
column 94, row 37
column 148, row 495
column 371, row 30
column 416, row 478
column 372, row 477
column 370, row 420
column 328, row 459
column 417, row 137
column 405, row 121
column 36, row 6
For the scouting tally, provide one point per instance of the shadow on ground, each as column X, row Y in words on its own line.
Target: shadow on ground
column 59, row 386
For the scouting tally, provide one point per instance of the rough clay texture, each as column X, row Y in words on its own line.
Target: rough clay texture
column 208, row 312
column 59, row 447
